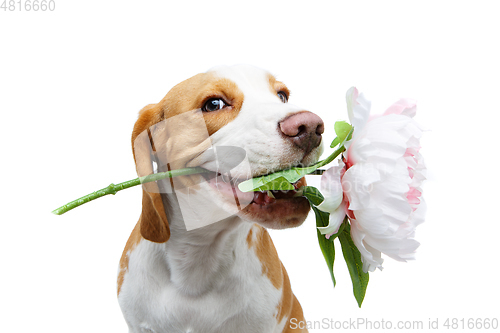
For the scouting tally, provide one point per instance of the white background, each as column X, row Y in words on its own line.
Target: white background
column 73, row 80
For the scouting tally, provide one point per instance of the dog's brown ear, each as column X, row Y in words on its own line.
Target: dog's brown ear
column 153, row 221
column 154, row 224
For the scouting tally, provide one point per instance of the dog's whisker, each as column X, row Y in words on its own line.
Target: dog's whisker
column 225, row 178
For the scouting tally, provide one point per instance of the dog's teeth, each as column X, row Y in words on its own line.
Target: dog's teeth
column 270, row 194
column 299, row 193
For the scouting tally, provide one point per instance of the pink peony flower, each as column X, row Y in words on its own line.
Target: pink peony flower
column 377, row 184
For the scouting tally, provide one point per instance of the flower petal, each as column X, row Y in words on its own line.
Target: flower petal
column 358, row 182
column 400, row 249
column 358, row 108
column 417, row 217
column 331, row 188
column 371, row 257
column 383, row 138
column 336, row 219
column 375, row 261
column 405, row 106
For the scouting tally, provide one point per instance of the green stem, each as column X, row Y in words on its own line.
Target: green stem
column 331, row 157
column 113, row 189
column 337, row 152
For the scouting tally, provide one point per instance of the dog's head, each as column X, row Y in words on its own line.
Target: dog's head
column 237, row 123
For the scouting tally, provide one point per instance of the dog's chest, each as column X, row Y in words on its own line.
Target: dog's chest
column 238, row 297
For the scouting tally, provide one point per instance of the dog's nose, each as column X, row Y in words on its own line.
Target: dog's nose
column 304, row 129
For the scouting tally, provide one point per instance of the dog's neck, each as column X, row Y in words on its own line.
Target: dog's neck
column 201, row 260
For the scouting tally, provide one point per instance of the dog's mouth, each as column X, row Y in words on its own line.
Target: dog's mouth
column 268, row 197
column 228, row 187
column 272, row 209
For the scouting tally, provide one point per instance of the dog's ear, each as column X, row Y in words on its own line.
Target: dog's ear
column 153, row 221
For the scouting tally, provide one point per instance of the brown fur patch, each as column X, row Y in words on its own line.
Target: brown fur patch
column 285, row 304
column 296, row 313
column 276, row 86
column 229, row 92
column 250, row 237
column 266, row 252
column 132, row 242
column 288, row 307
column 193, row 93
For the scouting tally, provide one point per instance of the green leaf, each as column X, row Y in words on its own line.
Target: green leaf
column 315, row 198
column 313, row 195
column 342, row 129
column 279, row 183
column 274, row 181
column 295, row 174
column 352, row 257
column 326, row 245
column 281, row 180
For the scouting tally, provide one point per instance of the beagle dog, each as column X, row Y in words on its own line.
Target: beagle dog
column 223, row 274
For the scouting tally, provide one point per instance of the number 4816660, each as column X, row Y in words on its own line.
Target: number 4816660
column 28, row 5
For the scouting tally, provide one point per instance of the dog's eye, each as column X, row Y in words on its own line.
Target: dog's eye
column 213, row 104
column 282, row 95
